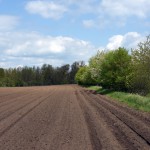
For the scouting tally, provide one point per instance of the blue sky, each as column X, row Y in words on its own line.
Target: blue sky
column 34, row 32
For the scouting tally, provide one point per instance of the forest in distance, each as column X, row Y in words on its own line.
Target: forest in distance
column 37, row 76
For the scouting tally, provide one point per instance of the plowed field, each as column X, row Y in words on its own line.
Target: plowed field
column 68, row 117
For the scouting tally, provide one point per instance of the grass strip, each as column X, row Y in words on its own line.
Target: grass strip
column 132, row 100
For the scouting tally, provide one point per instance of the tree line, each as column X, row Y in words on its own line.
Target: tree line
column 36, row 76
column 119, row 70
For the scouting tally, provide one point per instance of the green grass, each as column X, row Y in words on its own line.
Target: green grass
column 133, row 100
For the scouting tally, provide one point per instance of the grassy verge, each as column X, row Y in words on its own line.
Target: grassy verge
column 133, row 100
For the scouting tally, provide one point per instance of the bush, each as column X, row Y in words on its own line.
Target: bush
column 6, row 82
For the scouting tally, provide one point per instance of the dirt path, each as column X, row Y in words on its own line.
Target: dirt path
column 68, row 118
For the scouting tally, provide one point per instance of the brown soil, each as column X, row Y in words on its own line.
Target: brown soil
column 68, row 117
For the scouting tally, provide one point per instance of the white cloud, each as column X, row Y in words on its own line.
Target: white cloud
column 117, row 11
column 8, row 22
column 129, row 40
column 115, row 42
column 121, row 8
column 139, row 8
column 125, row 8
column 35, row 49
column 46, row 9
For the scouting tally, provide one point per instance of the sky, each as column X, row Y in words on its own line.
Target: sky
column 58, row 32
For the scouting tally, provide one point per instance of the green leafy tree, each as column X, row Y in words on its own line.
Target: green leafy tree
column 83, row 76
column 47, row 74
column 74, row 69
column 27, row 75
column 38, row 76
column 2, row 73
column 64, row 72
column 115, row 68
column 95, row 63
column 139, row 78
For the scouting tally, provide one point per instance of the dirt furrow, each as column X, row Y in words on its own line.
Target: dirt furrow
column 127, row 136
column 101, row 137
column 18, row 100
column 21, row 99
column 18, row 106
column 13, row 94
column 7, row 100
column 136, row 125
column 10, row 121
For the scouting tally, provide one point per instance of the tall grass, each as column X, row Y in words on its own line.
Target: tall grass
column 133, row 100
